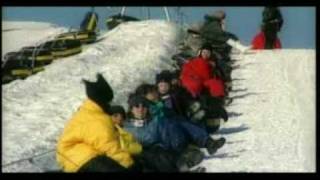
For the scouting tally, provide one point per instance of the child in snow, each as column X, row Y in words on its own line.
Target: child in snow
column 267, row 38
column 198, row 75
column 127, row 141
column 204, row 111
column 90, row 141
column 167, row 87
column 154, row 159
column 166, row 133
column 159, row 113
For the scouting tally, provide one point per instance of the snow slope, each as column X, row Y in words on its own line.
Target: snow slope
column 272, row 125
column 36, row 109
column 272, row 118
column 16, row 34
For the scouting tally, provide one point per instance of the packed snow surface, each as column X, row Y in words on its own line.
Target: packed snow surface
column 272, row 118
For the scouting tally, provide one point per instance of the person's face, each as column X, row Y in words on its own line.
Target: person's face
column 152, row 96
column 205, row 54
column 163, row 87
column 139, row 111
column 117, row 119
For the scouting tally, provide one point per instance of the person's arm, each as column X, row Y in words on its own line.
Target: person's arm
column 128, row 142
column 101, row 135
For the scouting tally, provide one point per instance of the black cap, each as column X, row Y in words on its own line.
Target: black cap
column 206, row 46
column 164, row 76
column 117, row 110
column 144, row 89
column 135, row 100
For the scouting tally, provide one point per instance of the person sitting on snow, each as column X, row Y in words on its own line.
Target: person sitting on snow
column 169, row 96
column 90, row 141
column 204, row 111
column 272, row 22
column 171, row 135
column 198, row 74
column 127, row 141
column 154, row 159
column 214, row 32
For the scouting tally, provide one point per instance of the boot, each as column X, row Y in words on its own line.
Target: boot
column 213, row 145
column 190, row 157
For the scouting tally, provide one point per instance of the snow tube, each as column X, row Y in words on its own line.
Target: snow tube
column 89, row 22
column 18, row 65
column 63, row 47
column 41, row 56
column 115, row 20
column 84, row 36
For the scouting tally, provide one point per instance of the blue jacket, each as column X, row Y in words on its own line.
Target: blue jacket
column 168, row 133
column 147, row 133
column 159, row 132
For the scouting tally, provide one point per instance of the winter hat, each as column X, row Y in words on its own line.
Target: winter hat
column 100, row 92
column 271, row 14
column 195, row 28
column 144, row 89
column 206, row 46
column 165, row 76
column 117, row 110
column 135, row 100
column 219, row 15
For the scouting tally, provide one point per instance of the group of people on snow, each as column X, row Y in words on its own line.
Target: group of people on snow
column 169, row 123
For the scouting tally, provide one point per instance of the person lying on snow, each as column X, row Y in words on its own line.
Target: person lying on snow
column 267, row 38
column 173, row 136
column 214, row 32
column 199, row 74
column 158, row 110
column 94, row 140
column 204, row 111
column 150, row 159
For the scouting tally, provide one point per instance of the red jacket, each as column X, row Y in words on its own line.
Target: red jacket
column 259, row 40
column 197, row 74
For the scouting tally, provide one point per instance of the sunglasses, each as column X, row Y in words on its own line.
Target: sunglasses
column 140, row 105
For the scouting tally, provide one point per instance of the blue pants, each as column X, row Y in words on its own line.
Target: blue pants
column 177, row 133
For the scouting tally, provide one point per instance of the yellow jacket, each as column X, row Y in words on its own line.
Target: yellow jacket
column 128, row 142
column 89, row 133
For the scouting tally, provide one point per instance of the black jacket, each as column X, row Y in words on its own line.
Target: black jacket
column 212, row 32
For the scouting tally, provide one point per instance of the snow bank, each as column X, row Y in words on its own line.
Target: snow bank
column 272, row 117
column 35, row 110
column 17, row 34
